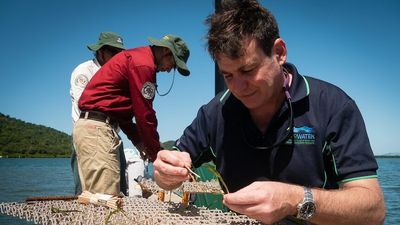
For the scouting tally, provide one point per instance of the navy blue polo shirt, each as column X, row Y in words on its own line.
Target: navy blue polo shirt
column 329, row 144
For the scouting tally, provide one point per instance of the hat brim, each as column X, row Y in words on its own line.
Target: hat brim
column 182, row 68
column 96, row 47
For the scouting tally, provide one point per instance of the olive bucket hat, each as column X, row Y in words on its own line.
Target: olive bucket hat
column 108, row 38
column 178, row 48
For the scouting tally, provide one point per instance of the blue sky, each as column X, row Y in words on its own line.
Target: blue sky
column 353, row 44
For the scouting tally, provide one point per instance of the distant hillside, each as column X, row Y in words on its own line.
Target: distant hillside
column 22, row 139
column 389, row 155
column 168, row 145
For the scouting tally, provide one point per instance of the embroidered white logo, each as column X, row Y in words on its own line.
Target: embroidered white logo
column 148, row 90
column 81, row 80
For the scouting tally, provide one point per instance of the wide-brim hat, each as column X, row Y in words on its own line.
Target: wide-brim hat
column 178, row 48
column 108, row 38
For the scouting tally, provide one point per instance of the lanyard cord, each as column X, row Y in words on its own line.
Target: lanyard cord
column 172, row 84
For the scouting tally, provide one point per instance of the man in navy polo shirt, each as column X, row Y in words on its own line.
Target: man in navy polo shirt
column 290, row 148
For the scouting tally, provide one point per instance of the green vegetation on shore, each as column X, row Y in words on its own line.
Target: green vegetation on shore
column 20, row 139
column 168, row 145
column 387, row 156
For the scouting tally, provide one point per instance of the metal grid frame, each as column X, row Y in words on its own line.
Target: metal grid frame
column 136, row 211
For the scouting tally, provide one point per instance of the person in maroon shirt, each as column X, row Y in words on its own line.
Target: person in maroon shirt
column 121, row 90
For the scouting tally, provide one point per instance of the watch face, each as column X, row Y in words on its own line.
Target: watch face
column 307, row 210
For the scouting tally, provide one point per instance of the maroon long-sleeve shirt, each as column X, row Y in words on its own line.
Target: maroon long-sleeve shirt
column 124, row 88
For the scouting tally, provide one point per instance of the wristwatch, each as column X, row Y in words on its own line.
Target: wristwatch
column 306, row 208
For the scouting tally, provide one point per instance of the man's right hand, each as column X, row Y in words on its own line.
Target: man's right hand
column 170, row 168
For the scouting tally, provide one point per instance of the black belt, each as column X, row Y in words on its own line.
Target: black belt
column 98, row 116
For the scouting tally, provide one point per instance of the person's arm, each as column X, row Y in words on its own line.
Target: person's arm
column 141, row 80
column 356, row 202
column 129, row 128
column 359, row 199
column 79, row 79
column 194, row 144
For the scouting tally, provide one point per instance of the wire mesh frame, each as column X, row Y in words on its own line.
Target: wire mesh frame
column 134, row 211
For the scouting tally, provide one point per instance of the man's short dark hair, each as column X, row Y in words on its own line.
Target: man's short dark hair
column 235, row 20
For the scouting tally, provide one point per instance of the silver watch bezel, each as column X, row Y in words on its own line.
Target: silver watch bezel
column 306, row 209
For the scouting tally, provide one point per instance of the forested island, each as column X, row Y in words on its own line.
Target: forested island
column 20, row 139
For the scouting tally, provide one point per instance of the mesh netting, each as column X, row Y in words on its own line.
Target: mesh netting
column 134, row 211
column 212, row 187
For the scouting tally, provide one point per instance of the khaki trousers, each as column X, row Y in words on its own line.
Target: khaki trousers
column 97, row 147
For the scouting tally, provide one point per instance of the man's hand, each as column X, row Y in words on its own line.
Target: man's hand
column 169, row 168
column 266, row 201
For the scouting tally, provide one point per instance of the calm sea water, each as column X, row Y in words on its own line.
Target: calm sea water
column 22, row 178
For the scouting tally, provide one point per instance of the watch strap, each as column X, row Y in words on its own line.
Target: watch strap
column 308, row 194
column 306, row 208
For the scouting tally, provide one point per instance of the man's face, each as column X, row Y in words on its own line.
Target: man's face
column 254, row 78
column 167, row 62
column 106, row 54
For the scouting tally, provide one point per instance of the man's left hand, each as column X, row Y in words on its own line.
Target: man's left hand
column 266, row 201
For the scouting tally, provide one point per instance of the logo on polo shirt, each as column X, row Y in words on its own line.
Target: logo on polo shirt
column 304, row 135
column 81, row 80
column 148, row 90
